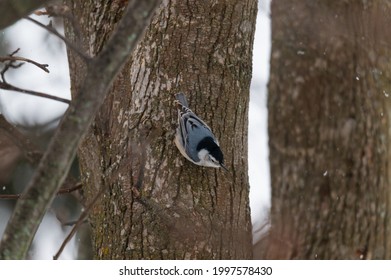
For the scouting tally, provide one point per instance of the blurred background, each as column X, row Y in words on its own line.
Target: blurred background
column 38, row 117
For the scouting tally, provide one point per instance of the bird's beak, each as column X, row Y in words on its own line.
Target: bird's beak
column 223, row 166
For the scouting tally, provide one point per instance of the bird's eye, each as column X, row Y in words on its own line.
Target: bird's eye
column 212, row 159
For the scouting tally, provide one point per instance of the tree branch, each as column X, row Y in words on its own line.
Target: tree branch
column 64, row 12
column 16, row 9
column 55, row 164
column 76, row 187
column 44, row 67
column 11, row 59
column 68, row 43
column 81, row 219
column 7, row 86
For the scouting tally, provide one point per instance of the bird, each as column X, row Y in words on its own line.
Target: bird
column 194, row 139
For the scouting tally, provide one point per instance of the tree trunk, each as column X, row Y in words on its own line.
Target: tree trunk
column 329, row 129
column 157, row 205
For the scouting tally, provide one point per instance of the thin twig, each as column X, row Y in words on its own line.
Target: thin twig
column 63, row 11
column 11, row 59
column 44, row 67
column 69, row 44
column 78, row 223
column 7, row 86
column 61, row 191
column 9, row 65
column 70, row 223
column 15, row 51
column 10, row 196
column 71, row 189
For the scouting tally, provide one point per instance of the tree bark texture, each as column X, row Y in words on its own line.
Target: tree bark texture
column 329, row 129
column 157, row 204
column 58, row 157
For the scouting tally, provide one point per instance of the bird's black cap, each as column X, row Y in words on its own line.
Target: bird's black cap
column 208, row 144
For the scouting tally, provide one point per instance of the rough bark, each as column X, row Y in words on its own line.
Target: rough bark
column 329, row 129
column 57, row 159
column 158, row 205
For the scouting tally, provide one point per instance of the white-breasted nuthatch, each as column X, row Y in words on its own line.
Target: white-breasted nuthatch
column 195, row 139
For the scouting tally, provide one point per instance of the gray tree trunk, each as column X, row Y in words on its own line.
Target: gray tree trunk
column 157, row 204
column 329, row 128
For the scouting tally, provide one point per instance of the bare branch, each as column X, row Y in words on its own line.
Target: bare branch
column 15, row 51
column 70, row 223
column 6, row 86
column 48, row 177
column 62, row 10
column 44, row 67
column 10, row 65
column 76, row 187
column 69, row 44
column 11, row 59
column 10, row 196
column 80, row 221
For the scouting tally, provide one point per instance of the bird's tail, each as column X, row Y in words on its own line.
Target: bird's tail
column 182, row 99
